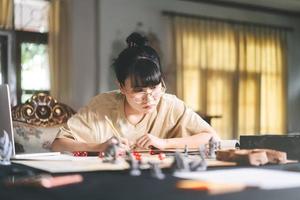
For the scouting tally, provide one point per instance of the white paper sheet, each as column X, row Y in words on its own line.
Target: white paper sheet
column 53, row 157
column 77, row 164
column 228, row 144
column 262, row 178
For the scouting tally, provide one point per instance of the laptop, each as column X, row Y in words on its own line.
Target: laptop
column 7, row 125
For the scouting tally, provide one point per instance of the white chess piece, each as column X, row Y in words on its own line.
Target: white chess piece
column 181, row 163
column 212, row 147
column 200, row 164
column 5, row 149
column 156, row 170
column 134, row 166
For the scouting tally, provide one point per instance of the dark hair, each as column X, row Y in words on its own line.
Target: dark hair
column 139, row 62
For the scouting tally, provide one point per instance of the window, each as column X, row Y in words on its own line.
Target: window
column 32, row 63
column 234, row 70
column 34, row 69
column 31, row 15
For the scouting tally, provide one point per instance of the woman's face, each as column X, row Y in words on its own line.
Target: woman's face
column 144, row 100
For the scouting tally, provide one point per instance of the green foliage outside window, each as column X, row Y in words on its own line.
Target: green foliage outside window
column 34, row 69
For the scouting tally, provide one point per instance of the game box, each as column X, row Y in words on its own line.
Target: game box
column 286, row 143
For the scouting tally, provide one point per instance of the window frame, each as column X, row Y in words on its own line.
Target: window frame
column 5, row 38
column 26, row 37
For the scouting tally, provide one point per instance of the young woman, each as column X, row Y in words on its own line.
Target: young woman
column 139, row 114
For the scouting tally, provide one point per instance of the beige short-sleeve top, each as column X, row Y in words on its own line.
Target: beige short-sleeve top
column 172, row 118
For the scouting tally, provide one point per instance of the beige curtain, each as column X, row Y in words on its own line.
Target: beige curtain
column 6, row 11
column 234, row 71
column 59, row 49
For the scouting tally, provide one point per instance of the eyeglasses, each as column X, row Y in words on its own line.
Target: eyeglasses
column 156, row 92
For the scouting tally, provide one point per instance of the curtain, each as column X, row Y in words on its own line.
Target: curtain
column 6, row 11
column 236, row 71
column 59, row 50
column 262, row 80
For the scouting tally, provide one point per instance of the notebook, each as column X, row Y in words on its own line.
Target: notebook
column 7, row 125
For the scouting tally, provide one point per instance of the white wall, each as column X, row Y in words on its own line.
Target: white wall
column 117, row 18
column 84, row 48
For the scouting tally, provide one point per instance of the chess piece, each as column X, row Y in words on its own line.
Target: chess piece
column 212, row 147
column 202, row 152
column 5, row 149
column 134, row 166
column 111, row 153
column 156, row 170
column 186, row 151
column 181, row 163
column 200, row 164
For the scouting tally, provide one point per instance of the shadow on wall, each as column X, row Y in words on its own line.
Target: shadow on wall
column 117, row 46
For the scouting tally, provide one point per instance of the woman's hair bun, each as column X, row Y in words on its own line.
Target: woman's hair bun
column 136, row 40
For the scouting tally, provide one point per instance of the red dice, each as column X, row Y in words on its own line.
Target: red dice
column 161, row 156
column 80, row 153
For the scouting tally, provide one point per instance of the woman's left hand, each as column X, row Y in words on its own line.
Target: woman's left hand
column 148, row 140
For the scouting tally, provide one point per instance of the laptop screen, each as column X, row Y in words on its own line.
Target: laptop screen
column 5, row 114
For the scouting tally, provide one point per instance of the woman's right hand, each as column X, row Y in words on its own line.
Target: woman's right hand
column 122, row 142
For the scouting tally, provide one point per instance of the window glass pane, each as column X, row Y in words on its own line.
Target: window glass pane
column 25, row 97
column 34, row 67
column 31, row 15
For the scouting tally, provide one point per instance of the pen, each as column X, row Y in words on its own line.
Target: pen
column 209, row 187
column 46, row 181
column 115, row 131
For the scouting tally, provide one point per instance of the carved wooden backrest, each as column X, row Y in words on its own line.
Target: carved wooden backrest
column 42, row 110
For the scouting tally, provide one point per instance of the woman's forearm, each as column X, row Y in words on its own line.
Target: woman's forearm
column 193, row 141
column 65, row 144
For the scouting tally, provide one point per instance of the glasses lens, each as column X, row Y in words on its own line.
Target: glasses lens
column 156, row 93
